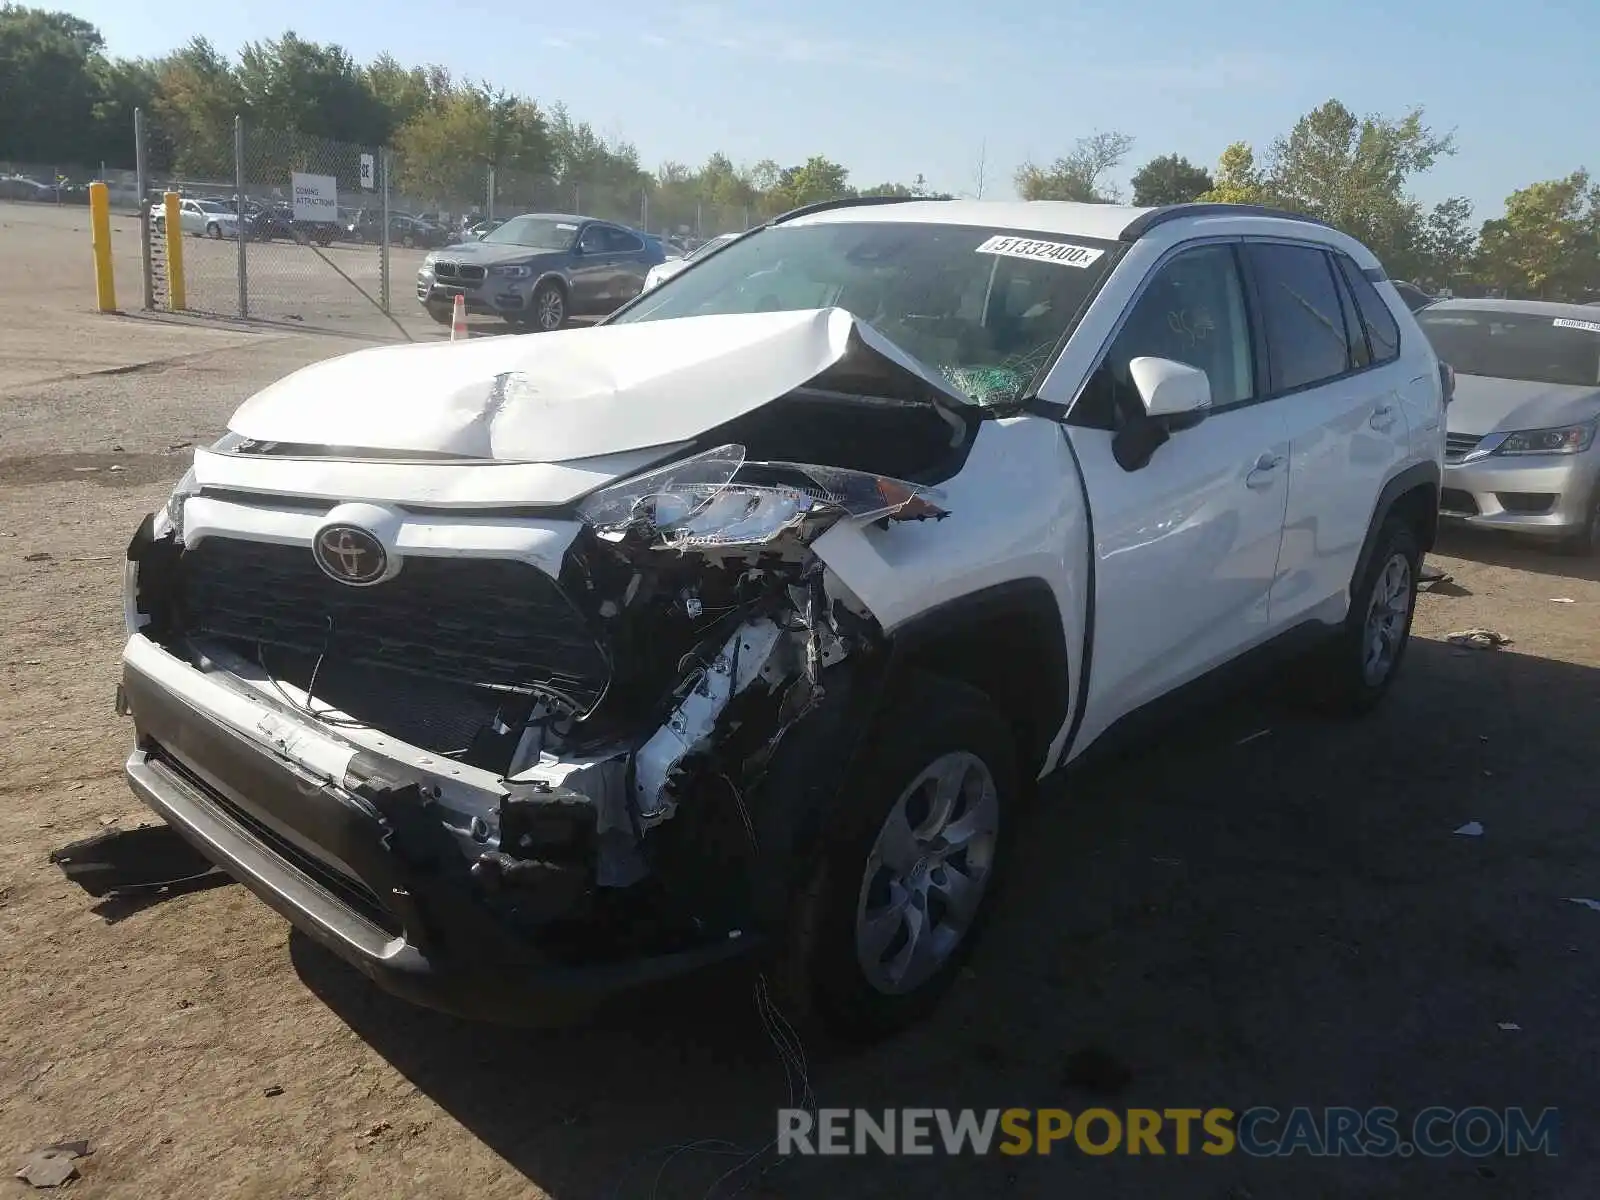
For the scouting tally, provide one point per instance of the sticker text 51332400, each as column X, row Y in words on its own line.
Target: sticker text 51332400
column 1568, row 323
column 1062, row 253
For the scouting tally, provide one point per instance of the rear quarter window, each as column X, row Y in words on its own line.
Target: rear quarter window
column 1383, row 331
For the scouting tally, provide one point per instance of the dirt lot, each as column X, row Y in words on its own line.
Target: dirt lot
column 1270, row 910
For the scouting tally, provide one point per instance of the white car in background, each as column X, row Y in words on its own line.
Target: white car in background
column 209, row 218
column 662, row 272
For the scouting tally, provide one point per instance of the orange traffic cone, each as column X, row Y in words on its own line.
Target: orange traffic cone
column 458, row 318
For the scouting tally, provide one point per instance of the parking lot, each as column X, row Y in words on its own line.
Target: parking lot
column 1268, row 909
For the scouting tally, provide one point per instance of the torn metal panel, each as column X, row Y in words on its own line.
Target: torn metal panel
column 746, row 656
column 603, row 780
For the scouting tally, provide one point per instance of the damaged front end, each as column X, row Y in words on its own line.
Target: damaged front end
column 598, row 751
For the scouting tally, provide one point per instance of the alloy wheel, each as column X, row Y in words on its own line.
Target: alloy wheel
column 552, row 310
column 927, row 873
column 1387, row 614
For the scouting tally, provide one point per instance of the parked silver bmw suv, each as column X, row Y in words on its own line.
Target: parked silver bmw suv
column 1521, row 450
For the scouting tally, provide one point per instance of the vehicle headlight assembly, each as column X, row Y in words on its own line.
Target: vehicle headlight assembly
column 718, row 499
column 512, row 271
column 172, row 514
column 1564, row 439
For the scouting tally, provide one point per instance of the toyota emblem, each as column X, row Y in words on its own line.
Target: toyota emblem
column 350, row 555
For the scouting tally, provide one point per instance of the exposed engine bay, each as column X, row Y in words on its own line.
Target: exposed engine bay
column 634, row 704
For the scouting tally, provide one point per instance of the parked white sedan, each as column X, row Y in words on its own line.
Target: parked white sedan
column 661, row 272
column 208, row 218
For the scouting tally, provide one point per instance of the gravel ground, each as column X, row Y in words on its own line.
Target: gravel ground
column 1270, row 910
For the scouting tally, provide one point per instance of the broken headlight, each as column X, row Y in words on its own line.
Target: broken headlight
column 719, row 499
column 173, row 512
column 189, row 486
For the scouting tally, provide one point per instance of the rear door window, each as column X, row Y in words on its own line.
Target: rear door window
column 1306, row 335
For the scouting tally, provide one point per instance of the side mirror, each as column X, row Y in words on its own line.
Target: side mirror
column 1175, row 396
column 1174, row 393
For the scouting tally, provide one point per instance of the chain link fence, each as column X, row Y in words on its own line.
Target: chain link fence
column 314, row 250
column 277, row 225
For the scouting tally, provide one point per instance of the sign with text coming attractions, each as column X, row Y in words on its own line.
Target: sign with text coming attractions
column 316, row 197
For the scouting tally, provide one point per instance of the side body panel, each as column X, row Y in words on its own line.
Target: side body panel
column 1016, row 513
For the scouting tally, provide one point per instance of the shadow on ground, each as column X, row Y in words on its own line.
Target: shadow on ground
column 1266, row 909
column 1497, row 549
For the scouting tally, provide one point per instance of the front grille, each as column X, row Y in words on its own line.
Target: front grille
column 1459, row 445
column 486, row 622
column 339, row 884
column 454, row 270
column 1454, row 500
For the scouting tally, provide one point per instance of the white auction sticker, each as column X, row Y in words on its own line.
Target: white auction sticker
column 1061, row 253
column 1565, row 323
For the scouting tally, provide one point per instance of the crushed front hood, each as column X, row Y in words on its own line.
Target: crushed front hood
column 574, row 394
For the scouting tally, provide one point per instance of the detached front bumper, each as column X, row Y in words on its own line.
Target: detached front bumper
column 1549, row 496
column 345, row 845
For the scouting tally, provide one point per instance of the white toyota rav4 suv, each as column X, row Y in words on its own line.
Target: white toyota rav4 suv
column 525, row 670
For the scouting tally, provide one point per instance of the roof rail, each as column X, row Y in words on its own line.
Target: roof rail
column 1146, row 221
column 805, row 210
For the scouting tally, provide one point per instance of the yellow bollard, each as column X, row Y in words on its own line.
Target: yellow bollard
column 175, row 297
column 105, row 292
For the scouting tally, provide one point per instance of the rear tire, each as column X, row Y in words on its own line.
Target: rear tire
column 906, row 877
column 1356, row 669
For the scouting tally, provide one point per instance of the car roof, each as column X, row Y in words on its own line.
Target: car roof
column 571, row 218
column 1532, row 308
column 1103, row 222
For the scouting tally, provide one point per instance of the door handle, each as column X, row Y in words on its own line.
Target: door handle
column 1261, row 474
column 1382, row 417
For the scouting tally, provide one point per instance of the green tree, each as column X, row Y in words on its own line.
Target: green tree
column 1548, row 243
column 816, row 179
column 1170, row 179
column 197, row 98
column 292, row 84
column 121, row 86
column 1352, row 172
column 445, row 151
column 1079, row 174
column 48, row 85
column 403, row 93
column 1238, row 179
column 1449, row 242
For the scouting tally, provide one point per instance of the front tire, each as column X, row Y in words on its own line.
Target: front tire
column 549, row 307
column 1361, row 663
column 909, row 868
column 440, row 313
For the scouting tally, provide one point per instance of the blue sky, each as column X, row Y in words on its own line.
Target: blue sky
column 896, row 87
